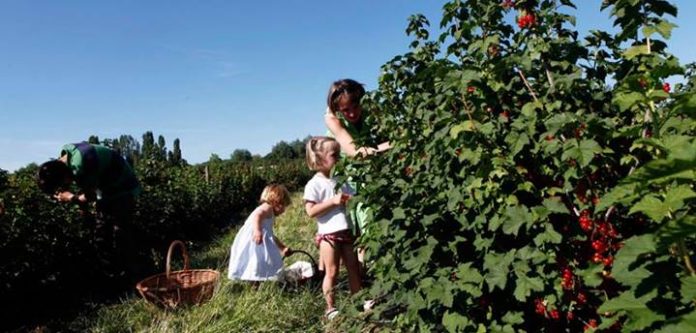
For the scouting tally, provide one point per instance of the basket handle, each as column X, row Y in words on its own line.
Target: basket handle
column 314, row 263
column 181, row 245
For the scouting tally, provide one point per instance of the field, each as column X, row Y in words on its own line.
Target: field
column 236, row 306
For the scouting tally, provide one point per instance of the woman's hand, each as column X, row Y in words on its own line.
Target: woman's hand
column 64, row 196
column 257, row 236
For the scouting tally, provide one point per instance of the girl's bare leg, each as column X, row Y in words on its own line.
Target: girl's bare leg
column 330, row 257
column 352, row 266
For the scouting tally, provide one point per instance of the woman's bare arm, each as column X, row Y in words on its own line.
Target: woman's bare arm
column 346, row 140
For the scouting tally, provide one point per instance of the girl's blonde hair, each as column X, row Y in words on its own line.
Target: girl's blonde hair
column 317, row 147
column 276, row 195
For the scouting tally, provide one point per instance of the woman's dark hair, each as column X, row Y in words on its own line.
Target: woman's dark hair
column 351, row 88
column 51, row 176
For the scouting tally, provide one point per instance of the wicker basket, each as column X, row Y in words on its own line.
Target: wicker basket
column 184, row 287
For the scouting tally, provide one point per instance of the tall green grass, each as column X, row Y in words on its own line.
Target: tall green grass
column 235, row 306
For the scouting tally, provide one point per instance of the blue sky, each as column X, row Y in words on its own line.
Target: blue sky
column 218, row 75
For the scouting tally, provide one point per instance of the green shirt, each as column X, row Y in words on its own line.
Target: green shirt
column 101, row 169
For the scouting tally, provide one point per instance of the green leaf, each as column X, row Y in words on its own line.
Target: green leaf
column 548, row 236
column 663, row 170
column 685, row 104
column 674, row 198
column 513, row 318
column 516, row 141
column 682, row 324
column 497, row 267
column 664, row 28
column 555, row 205
column 633, row 248
column 525, row 285
column 635, row 51
column 652, row 207
column 583, row 152
column 619, row 194
column 465, row 126
column 639, row 315
column 675, row 230
column 468, row 274
column 555, row 123
column 626, row 100
column 515, row 217
column 688, row 288
column 454, row 322
column 592, row 276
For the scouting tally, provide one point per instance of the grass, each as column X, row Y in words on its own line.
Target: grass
column 235, row 306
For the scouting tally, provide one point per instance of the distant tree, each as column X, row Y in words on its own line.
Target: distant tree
column 282, row 150
column 148, row 150
column 161, row 149
column 298, row 147
column 130, row 148
column 3, row 179
column 214, row 158
column 240, row 155
column 175, row 154
column 93, row 139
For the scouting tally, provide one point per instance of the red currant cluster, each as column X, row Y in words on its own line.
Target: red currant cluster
column 579, row 130
column 591, row 324
column 539, row 307
column 567, row 278
column 585, row 222
column 526, row 21
column 643, row 83
column 666, row 88
column 603, row 234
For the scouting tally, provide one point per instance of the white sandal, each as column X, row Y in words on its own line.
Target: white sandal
column 331, row 314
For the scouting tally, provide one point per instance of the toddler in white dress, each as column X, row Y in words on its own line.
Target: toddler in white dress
column 256, row 254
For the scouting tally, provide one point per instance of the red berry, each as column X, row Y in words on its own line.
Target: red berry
column 554, row 314
column 592, row 323
column 642, row 82
column 408, row 171
column 470, row 89
column 599, row 245
column 526, row 21
column 666, row 88
column 597, row 258
column 570, row 316
column 507, row 4
column 581, row 298
column 608, row 261
column 585, row 223
column 539, row 306
column 549, row 137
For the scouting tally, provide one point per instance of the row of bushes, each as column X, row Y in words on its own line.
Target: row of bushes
column 49, row 262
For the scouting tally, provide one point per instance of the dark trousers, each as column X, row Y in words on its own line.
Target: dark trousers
column 117, row 241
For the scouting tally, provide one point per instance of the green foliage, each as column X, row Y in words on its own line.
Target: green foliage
column 558, row 171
